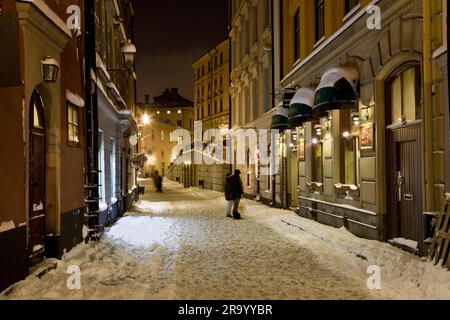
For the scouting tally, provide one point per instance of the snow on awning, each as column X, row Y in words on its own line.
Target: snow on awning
column 301, row 106
column 101, row 66
column 138, row 160
column 74, row 99
column 111, row 86
column 280, row 120
column 337, row 90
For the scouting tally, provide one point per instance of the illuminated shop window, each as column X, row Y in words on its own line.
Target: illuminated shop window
column 405, row 96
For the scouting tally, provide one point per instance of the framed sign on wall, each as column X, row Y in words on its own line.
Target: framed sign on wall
column 301, row 150
column 368, row 137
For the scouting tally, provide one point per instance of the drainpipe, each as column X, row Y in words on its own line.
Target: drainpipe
column 91, row 124
column 230, row 69
column 428, row 112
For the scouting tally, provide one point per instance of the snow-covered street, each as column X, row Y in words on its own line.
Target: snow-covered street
column 180, row 245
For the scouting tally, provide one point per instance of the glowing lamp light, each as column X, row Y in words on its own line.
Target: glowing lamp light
column 146, row 119
column 315, row 141
column 50, row 70
column 356, row 118
column 318, row 129
column 346, row 134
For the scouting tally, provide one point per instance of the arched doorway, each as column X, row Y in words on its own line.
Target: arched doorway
column 37, row 214
column 404, row 156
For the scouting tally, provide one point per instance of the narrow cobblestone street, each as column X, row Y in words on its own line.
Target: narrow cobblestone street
column 180, row 245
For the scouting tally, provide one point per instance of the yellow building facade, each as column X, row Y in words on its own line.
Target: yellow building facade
column 252, row 78
column 368, row 150
column 157, row 121
column 211, row 87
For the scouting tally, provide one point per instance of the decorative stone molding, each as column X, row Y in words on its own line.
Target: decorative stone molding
column 245, row 78
column 245, row 12
column 239, row 23
column 264, row 58
column 253, row 69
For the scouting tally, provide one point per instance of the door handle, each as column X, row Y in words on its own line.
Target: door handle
column 400, row 182
column 409, row 197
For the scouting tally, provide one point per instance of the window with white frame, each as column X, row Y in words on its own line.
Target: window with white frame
column 73, row 125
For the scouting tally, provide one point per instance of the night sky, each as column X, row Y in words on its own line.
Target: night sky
column 170, row 36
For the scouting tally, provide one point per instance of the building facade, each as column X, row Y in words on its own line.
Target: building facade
column 41, row 211
column 111, row 178
column 158, row 119
column 252, row 87
column 366, row 134
column 211, row 87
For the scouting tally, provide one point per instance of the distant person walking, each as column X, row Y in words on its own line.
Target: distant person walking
column 237, row 191
column 158, row 181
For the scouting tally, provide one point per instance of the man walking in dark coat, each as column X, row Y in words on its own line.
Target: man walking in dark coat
column 237, row 191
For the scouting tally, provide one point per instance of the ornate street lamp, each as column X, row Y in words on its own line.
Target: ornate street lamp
column 129, row 53
column 50, row 70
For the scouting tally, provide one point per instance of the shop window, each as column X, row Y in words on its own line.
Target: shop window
column 269, row 176
column 317, row 153
column 73, row 125
column 297, row 35
column 351, row 150
column 405, row 94
column 162, row 136
column 320, row 19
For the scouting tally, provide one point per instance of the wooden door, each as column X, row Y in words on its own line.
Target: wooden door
column 405, row 185
column 37, row 215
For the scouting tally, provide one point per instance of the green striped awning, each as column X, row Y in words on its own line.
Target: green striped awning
column 300, row 108
column 280, row 120
column 337, row 90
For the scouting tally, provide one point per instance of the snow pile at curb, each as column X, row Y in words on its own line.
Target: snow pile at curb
column 404, row 274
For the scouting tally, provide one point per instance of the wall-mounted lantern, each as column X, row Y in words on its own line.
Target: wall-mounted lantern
column 356, row 118
column 129, row 53
column 50, row 70
column 318, row 129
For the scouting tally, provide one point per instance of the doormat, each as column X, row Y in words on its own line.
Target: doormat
column 440, row 247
